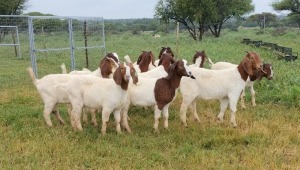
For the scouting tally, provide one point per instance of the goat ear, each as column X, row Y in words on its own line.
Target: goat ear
column 105, row 69
column 249, row 55
column 172, row 68
column 247, row 65
column 118, row 75
column 152, row 59
column 135, row 77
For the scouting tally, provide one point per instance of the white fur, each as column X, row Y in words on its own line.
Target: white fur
column 142, row 94
column 157, row 72
column 197, row 63
column 249, row 83
column 223, row 85
column 96, row 93
column 50, row 94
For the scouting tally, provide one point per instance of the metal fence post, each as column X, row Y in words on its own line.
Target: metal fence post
column 72, row 47
column 32, row 48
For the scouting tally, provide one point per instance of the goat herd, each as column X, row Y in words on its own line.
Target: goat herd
column 115, row 86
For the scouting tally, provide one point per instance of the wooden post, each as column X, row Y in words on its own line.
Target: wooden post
column 85, row 44
column 177, row 39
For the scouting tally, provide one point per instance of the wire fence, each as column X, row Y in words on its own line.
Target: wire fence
column 46, row 42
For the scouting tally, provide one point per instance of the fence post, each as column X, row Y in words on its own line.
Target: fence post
column 177, row 39
column 85, row 45
column 72, row 48
column 32, row 48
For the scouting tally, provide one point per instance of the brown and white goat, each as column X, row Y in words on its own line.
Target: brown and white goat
column 156, row 92
column 267, row 71
column 223, row 85
column 162, row 51
column 107, row 94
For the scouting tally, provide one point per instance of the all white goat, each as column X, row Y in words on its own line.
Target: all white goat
column 223, row 85
column 50, row 94
column 156, row 92
column 97, row 93
column 267, row 71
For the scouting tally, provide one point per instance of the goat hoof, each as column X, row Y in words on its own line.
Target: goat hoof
column 156, row 131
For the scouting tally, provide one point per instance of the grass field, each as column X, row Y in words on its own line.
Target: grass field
column 267, row 136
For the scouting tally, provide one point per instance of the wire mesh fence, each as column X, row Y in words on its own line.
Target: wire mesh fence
column 48, row 41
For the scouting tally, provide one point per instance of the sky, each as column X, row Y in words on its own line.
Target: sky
column 112, row 9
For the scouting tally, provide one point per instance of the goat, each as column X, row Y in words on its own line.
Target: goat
column 106, row 67
column 163, row 50
column 199, row 59
column 162, row 69
column 144, row 62
column 267, row 71
column 50, row 95
column 97, row 93
column 156, row 92
column 224, row 85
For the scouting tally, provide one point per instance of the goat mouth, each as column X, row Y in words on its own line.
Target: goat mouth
column 192, row 77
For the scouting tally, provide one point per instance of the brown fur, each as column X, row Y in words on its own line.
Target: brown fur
column 120, row 76
column 144, row 60
column 166, row 60
column 165, row 88
column 106, row 65
column 250, row 66
column 200, row 54
column 163, row 49
column 133, row 73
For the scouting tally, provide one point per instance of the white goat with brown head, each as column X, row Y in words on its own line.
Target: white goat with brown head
column 223, row 85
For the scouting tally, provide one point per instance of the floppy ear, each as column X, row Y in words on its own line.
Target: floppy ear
column 135, row 77
column 247, row 65
column 105, row 68
column 118, row 75
column 152, row 59
column 171, row 70
column 140, row 58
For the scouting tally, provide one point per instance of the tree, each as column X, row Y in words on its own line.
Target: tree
column 290, row 5
column 12, row 7
column 263, row 19
column 197, row 15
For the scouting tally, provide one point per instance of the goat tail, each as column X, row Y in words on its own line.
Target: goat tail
column 209, row 60
column 127, row 59
column 63, row 68
column 32, row 75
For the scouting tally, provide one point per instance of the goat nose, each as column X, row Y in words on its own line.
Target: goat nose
column 127, row 77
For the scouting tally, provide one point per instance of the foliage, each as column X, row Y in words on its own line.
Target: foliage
column 12, row 7
column 197, row 16
column 263, row 19
column 37, row 14
column 290, row 5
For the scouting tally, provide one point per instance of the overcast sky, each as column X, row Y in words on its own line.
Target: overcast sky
column 112, row 9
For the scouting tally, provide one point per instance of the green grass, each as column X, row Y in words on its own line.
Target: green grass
column 267, row 136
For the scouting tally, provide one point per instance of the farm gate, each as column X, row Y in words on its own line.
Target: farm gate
column 45, row 42
column 75, row 40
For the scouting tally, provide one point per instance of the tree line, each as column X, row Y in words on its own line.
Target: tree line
column 194, row 16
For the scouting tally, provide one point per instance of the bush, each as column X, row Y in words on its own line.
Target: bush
column 279, row 32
